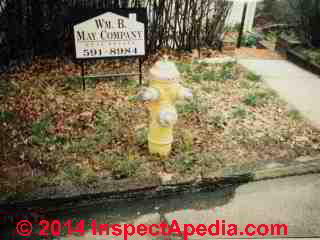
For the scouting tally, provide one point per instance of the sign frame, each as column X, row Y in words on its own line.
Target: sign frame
column 85, row 14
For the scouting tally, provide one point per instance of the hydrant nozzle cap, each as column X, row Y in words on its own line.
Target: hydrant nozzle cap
column 165, row 70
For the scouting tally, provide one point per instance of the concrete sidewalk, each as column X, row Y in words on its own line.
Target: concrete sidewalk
column 293, row 201
column 297, row 86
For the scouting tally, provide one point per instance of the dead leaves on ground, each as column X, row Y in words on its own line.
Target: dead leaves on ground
column 52, row 128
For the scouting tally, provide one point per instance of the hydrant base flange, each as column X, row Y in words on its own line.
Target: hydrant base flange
column 161, row 149
column 163, row 91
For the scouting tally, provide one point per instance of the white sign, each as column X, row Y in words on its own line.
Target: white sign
column 109, row 35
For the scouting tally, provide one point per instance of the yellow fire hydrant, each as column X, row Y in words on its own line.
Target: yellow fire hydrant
column 163, row 91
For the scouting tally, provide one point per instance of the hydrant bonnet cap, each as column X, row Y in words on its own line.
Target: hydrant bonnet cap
column 165, row 70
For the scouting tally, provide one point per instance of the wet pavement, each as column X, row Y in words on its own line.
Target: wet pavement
column 294, row 201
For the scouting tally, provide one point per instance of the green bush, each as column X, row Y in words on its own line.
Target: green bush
column 308, row 14
column 249, row 40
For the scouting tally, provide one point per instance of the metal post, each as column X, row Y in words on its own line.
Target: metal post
column 242, row 24
column 199, row 46
column 140, row 71
column 82, row 74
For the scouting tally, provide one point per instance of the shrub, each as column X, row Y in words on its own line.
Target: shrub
column 38, row 27
column 308, row 14
column 249, row 40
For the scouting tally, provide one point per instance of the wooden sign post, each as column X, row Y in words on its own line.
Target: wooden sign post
column 111, row 35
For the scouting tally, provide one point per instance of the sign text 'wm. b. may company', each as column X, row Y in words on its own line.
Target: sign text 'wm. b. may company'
column 110, row 35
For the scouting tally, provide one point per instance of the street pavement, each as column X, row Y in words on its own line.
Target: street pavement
column 293, row 201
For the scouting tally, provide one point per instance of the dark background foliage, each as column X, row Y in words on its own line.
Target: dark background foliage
column 303, row 14
column 31, row 28
column 308, row 14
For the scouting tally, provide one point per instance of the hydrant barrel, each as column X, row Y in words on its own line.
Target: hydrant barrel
column 164, row 80
column 160, row 134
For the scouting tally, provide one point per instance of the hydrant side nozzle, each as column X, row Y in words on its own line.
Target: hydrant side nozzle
column 185, row 93
column 148, row 94
column 188, row 94
column 168, row 117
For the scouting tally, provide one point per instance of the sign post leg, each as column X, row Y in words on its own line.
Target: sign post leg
column 199, row 46
column 82, row 75
column 140, row 71
column 242, row 24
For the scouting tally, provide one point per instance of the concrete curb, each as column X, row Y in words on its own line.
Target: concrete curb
column 271, row 170
column 295, row 170
column 223, row 178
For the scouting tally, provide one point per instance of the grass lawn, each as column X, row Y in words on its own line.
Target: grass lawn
column 54, row 134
